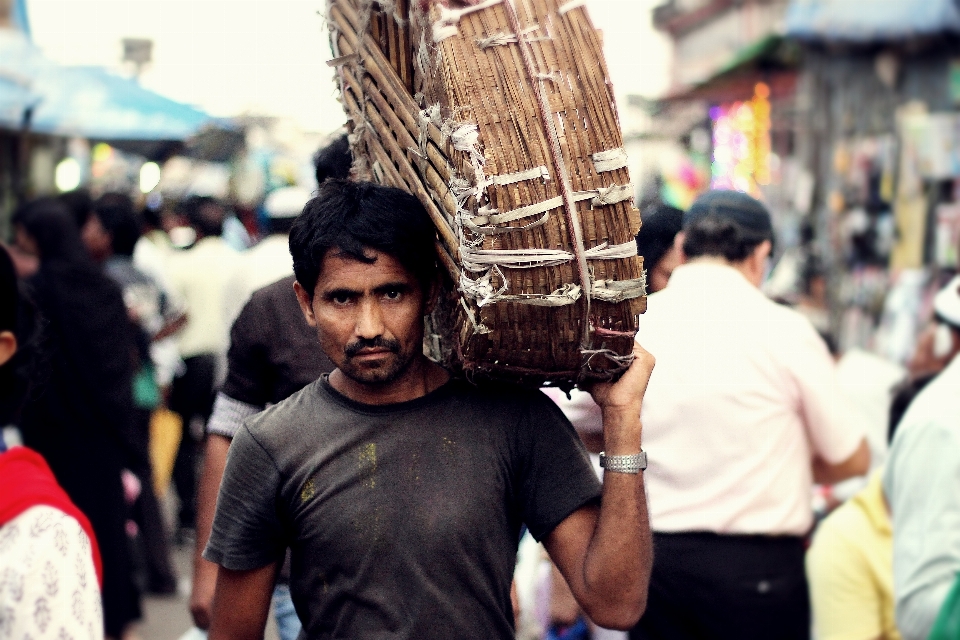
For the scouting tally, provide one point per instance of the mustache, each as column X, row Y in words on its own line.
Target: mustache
column 379, row 342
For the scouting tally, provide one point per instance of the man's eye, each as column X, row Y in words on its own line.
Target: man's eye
column 340, row 299
column 392, row 294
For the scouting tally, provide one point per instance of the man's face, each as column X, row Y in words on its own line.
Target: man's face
column 369, row 317
column 660, row 274
column 96, row 239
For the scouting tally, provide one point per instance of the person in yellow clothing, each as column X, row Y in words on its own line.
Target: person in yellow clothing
column 850, row 570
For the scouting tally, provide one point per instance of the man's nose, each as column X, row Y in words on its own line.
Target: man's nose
column 370, row 320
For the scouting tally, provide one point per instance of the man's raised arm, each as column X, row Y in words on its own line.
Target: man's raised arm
column 606, row 553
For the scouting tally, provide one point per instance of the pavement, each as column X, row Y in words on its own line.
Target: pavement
column 168, row 617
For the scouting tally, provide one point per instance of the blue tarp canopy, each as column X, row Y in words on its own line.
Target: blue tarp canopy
column 88, row 102
column 863, row 21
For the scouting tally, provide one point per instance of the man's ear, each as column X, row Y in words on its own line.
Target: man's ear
column 306, row 303
column 678, row 244
column 8, row 346
column 761, row 253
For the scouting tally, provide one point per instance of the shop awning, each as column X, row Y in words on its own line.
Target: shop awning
column 88, row 102
column 772, row 59
column 871, row 21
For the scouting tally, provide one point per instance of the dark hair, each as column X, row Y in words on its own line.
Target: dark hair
column 51, row 226
column 151, row 217
column 333, row 161
column 200, row 213
column 118, row 218
column 19, row 315
column 357, row 216
column 279, row 225
column 902, row 396
column 661, row 224
column 722, row 237
column 79, row 203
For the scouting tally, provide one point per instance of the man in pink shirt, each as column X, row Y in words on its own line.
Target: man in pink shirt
column 742, row 415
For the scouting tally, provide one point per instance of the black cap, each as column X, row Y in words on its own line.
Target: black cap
column 748, row 212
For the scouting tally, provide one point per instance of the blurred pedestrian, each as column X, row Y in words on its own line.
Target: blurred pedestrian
column 333, row 161
column 268, row 260
column 110, row 234
column 655, row 242
column 922, row 484
column 81, row 419
column 273, row 354
column 49, row 553
column 850, row 561
column 199, row 275
column 743, row 414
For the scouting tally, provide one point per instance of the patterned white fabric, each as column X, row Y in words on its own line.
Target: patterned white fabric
column 48, row 584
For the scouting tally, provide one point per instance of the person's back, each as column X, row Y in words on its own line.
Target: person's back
column 740, row 413
column 80, row 420
column 200, row 275
column 729, row 381
column 921, row 483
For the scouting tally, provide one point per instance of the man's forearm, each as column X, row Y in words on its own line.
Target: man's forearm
column 620, row 555
column 606, row 554
column 204, row 571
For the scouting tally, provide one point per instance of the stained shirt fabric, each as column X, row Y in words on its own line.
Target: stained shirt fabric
column 743, row 396
column 922, row 483
column 403, row 520
column 850, row 569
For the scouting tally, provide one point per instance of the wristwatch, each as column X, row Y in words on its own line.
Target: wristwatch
column 634, row 463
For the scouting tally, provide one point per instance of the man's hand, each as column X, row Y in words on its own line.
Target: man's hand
column 201, row 595
column 606, row 553
column 626, row 394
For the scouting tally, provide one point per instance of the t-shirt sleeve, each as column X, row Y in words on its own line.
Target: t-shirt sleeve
column 247, row 530
column 834, row 429
column 247, row 357
column 556, row 476
column 228, row 415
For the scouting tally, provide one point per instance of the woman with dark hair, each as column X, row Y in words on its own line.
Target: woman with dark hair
column 47, row 548
column 81, row 416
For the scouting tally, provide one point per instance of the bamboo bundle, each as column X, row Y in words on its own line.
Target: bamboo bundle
column 499, row 117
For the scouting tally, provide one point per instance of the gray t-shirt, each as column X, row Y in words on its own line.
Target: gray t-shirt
column 404, row 519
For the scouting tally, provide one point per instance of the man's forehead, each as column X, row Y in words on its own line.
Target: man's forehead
column 340, row 269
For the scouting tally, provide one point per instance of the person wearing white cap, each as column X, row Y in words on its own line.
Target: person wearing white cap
column 922, row 485
column 269, row 260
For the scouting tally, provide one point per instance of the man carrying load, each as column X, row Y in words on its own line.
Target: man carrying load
column 401, row 490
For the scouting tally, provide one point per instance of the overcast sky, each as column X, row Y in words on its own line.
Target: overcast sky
column 267, row 56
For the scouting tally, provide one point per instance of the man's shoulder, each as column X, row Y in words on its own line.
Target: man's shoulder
column 279, row 290
column 935, row 408
column 299, row 409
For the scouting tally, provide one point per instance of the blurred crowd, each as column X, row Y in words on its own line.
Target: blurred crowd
column 134, row 341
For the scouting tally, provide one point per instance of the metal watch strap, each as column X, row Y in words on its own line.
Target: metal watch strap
column 634, row 463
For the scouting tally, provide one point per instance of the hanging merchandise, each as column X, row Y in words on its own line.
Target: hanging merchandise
column 947, row 235
column 741, row 143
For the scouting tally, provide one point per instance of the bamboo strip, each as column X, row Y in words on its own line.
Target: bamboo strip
column 409, row 176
